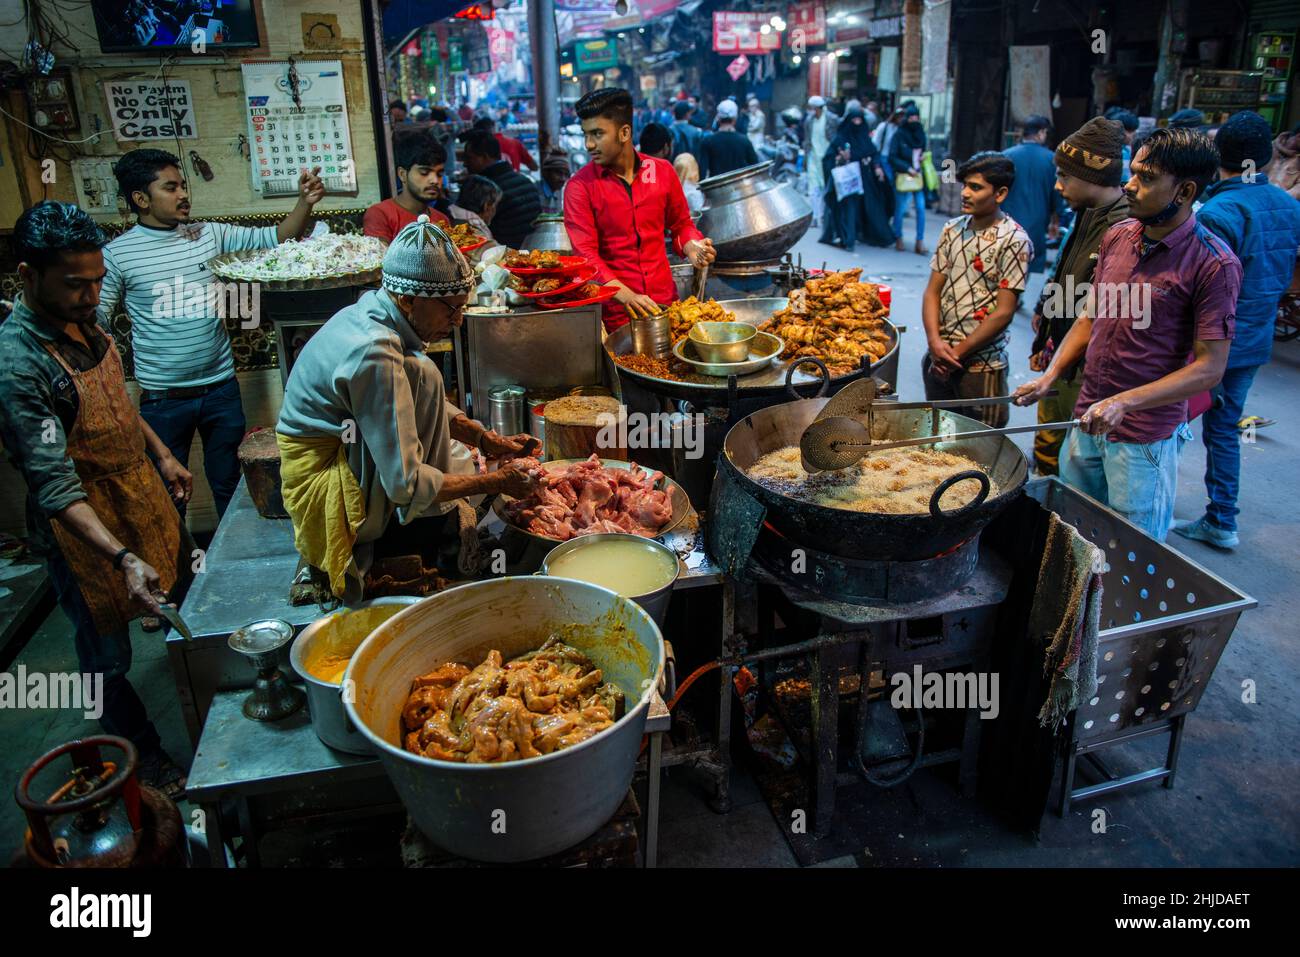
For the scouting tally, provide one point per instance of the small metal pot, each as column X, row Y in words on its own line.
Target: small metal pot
column 652, row 336
column 325, row 700
column 722, row 341
column 656, row 602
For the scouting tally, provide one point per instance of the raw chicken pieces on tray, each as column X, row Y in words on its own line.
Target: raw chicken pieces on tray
column 587, row 497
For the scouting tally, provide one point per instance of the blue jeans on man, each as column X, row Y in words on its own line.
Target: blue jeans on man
column 124, row 713
column 218, row 417
column 1223, row 447
column 1138, row 480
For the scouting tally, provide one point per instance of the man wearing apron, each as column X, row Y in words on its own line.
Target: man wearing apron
column 97, row 510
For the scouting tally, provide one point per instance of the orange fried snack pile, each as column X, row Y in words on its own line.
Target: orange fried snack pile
column 462, row 234
column 835, row 318
column 542, row 701
column 684, row 314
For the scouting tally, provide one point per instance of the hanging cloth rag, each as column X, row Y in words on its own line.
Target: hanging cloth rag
column 1066, row 617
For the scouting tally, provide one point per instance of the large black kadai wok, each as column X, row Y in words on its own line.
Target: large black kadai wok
column 741, row 509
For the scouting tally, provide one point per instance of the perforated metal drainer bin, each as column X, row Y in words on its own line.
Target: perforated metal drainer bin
column 1165, row 622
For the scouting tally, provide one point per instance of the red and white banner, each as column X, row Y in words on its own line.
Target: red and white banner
column 806, row 24
column 501, row 46
column 735, row 32
column 737, row 67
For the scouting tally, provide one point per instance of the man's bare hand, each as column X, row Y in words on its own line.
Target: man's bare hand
column 179, row 479
column 518, row 477
column 498, row 446
column 1033, row 390
column 310, row 186
column 700, row 252
column 1104, row 416
column 943, row 358
column 638, row 305
column 141, row 582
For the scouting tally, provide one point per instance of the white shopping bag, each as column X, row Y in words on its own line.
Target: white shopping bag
column 848, row 180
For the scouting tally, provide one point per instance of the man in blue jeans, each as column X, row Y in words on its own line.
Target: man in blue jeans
column 1261, row 224
column 179, row 341
column 1156, row 332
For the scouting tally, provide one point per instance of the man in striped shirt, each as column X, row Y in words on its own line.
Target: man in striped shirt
column 182, row 351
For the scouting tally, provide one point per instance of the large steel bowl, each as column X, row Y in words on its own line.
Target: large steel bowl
column 873, row 535
column 517, row 810
column 750, row 216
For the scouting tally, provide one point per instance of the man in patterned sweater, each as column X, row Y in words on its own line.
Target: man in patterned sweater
column 977, row 275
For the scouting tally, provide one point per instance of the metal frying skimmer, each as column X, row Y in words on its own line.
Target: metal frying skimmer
column 842, row 438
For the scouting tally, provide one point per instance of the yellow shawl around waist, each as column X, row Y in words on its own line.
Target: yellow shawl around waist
column 324, row 500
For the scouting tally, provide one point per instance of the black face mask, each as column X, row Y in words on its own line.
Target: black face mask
column 1162, row 217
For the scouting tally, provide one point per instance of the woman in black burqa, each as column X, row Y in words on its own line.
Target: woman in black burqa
column 864, row 216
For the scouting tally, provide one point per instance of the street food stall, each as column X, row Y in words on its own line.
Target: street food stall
column 834, row 533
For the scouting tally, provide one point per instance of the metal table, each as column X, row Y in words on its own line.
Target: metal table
column 247, row 572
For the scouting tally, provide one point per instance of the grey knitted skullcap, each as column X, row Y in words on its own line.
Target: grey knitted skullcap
column 423, row 261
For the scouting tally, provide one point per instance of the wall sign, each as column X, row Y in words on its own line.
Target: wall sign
column 297, row 120
column 743, row 33
column 150, row 110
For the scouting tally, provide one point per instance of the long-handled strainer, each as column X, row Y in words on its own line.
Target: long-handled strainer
column 841, row 435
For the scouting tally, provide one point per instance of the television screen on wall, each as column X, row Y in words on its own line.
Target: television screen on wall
column 136, row 26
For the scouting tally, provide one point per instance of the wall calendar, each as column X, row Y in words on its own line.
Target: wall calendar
column 297, row 120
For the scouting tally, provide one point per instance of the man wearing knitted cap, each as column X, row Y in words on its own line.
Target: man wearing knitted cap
column 366, row 430
column 1088, row 165
column 1261, row 224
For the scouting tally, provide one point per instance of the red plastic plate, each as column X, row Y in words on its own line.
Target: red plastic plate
column 568, row 264
column 606, row 293
column 561, row 290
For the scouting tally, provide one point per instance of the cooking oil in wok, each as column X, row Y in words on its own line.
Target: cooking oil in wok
column 628, row 567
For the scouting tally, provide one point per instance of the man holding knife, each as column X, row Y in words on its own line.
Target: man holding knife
column 97, row 511
column 618, row 207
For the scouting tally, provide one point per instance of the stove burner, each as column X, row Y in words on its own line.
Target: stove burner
column 864, row 580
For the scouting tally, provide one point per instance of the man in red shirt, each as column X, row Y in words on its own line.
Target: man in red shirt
column 511, row 148
column 617, row 208
column 420, row 163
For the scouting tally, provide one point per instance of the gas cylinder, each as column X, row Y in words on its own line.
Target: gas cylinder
column 101, row 815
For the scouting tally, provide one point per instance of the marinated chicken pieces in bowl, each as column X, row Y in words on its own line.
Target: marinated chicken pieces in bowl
column 543, row 701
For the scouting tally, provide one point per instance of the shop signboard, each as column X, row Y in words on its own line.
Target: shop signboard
column 737, row 67
column 736, row 32
column 592, row 56
column 806, row 25
column 455, row 56
column 150, row 110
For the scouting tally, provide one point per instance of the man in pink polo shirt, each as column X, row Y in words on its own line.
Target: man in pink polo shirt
column 1157, row 331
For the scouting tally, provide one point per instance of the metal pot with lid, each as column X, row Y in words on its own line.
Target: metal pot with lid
column 750, row 216
column 548, row 233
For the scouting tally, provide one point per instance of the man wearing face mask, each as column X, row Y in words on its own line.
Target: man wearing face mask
column 366, row 431
column 1157, row 332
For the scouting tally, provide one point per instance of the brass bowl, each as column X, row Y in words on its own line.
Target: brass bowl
column 722, row 341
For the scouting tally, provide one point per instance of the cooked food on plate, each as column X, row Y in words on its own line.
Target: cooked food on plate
column 835, row 318
column 587, row 291
column 588, row 497
column 536, row 259
column 546, row 285
column 333, row 254
column 898, row 482
column 543, row 701
column 462, row 234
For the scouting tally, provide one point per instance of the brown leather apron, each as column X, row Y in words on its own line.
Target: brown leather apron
column 107, row 447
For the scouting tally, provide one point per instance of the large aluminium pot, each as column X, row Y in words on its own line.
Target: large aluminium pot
column 517, row 810
column 750, row 216
column 548, row 232
column 325, row 698
column 874, row 535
